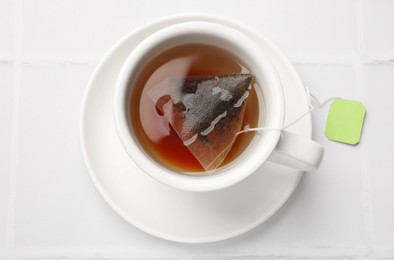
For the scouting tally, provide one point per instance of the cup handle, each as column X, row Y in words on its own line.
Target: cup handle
column 297, row 152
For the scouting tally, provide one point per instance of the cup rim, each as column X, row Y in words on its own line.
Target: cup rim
column 181, row 181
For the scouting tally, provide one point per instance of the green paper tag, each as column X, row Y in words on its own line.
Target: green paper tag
column 345, row 121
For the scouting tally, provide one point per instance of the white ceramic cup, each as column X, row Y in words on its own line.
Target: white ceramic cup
column 278, row 146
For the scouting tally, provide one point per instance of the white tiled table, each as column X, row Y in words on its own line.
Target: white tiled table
column 49, row 208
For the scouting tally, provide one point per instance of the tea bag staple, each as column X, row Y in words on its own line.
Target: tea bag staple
column 205, row 111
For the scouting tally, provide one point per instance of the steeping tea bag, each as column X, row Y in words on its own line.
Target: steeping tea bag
column 205, row 111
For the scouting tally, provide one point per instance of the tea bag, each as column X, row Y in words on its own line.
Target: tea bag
column 205, row 111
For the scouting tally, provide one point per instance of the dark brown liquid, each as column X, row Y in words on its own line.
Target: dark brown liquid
column 152, row 130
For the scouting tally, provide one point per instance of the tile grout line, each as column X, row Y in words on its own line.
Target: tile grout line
column 57, row 61
column 10, row 232
column 365, row 180
column 314, row 252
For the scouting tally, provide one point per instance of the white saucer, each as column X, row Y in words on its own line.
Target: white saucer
column 166, row 212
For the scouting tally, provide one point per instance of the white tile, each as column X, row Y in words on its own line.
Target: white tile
column 378, row 29
column 326, row 81
column 80, row 30
column 84, row 29
column 305, row 29
column 378, row 149
column 56, row 202
column 7, row 19
column 6, row 103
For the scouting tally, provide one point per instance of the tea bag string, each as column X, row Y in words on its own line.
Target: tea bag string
column 311, row 108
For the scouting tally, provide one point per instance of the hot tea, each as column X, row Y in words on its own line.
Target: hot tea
column 152, row 128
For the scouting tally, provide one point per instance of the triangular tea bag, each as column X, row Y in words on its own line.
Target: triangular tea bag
column 205, row 111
